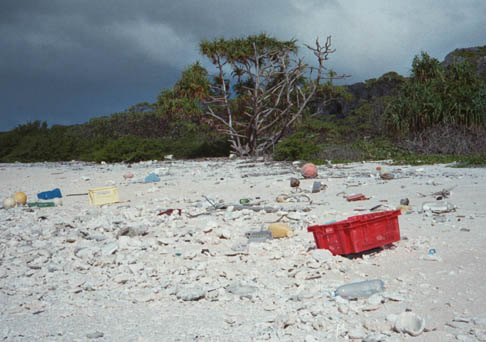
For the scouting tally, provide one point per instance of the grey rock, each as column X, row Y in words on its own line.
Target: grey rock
column 375, row 338
column 357, row 333
column 260, row 236
column 241, row 290
column 95, row 334
column 191, row 293
column 322, row 255
column 109, row 249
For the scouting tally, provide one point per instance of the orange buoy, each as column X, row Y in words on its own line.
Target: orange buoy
column 309, row 170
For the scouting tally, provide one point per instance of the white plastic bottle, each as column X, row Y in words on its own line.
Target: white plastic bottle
column 360, row 289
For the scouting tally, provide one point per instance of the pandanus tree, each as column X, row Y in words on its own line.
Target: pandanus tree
column 261, row 88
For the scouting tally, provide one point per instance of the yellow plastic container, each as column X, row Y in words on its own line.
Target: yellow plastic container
column 105, row 195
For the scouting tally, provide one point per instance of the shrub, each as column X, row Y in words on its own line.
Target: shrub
column 297, row 146
column 435, row 95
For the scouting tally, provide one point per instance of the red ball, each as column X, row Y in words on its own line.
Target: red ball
column 309, row 170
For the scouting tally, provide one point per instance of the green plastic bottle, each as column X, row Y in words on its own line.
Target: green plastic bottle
column 41, row 204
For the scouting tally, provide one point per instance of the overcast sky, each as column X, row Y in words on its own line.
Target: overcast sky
column 66, row 61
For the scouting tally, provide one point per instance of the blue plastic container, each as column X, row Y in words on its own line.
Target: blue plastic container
column 46, row 195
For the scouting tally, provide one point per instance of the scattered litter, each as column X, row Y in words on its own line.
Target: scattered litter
column 410, row 323
column 444, row 193
column 403, row 208
column 8, row 203
column 294, row 182
column 360, row 289
column 376, row 207
column 46, row 195
column 438, row 207
column 284, row 198
column 317, row 186
column 169, row 212
column 356, row 197
column 128, row 175
column 20, row 198
column 152, row 178
column 358, row 233
column 105, row 195
column 81, row 194
column 253, row 208
column 41, row 204
column 387, row 176
column 384, row 175
column 280, row 230
column 259, row 236
column 309, row 170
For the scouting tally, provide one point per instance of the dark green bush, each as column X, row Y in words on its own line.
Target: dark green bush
column 299, row 145
column 435, row 95
column 36, row 142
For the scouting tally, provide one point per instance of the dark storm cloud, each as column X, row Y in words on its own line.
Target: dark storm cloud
column 66, row 61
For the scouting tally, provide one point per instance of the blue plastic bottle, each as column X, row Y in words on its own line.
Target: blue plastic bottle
column 46, row 195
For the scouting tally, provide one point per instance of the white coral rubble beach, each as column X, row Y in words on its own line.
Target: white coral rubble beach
column 181, row 259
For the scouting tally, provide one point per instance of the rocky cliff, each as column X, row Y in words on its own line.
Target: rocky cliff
column 474, row 55
column 373, row 89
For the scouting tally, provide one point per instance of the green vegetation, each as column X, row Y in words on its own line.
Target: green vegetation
column 272, row 88
column 435, row 95
column 437, row 115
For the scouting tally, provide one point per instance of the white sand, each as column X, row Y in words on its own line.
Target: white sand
column 60, row 282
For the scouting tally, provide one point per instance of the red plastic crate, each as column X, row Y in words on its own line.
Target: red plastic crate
column 358, row 233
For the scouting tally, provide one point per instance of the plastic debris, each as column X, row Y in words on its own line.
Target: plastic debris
column 41, row 204
column 260, row 236
column 152, row 178
column 105, row 195
column 356, row 197
column 360, row 289
column 8, row 203
column 438, row 207
column 46, row 195
column 410, row 323
column 128, row 175
column 169, row 212
column 280, row 230
column 294, row 182
column 316, row 187
column 309, row 170
column 284, row 198
column 362, row 232
column 20, row 198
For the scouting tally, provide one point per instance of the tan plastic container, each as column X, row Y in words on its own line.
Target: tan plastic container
column 280, row 230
